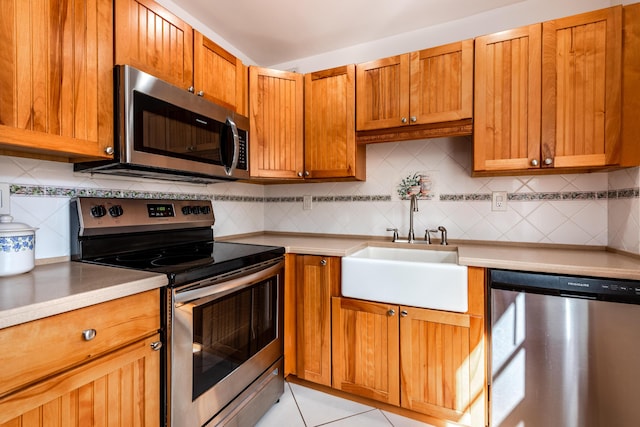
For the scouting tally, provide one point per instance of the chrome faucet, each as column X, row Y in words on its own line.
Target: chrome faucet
column 413, row 207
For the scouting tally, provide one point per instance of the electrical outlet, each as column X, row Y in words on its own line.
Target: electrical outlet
column 306, row 202
column 499, row 201
column 5, row 204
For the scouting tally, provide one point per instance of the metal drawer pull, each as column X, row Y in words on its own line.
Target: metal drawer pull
column 323, row 262
column 404, row 313
column 156, row 345
column 391, row 313
column 89, row 334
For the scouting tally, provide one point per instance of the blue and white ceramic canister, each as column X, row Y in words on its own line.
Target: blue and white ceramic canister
column 17, row 247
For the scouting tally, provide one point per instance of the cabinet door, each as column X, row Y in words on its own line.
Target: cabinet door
column 442, row 83
column 435, row 363
column 382, row 94
column 330, row 138
column 507, row 100
column 56, row 77
column 581, row 100
column 318, row 279
column 366, row 349
column 277, row 121
column 218, row 75
column 122, row 387
column 151, row 39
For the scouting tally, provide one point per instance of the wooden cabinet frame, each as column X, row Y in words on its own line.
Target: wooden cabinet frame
column 422, row 94
column 428, row 361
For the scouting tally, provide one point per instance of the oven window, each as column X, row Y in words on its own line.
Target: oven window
column 230, row 330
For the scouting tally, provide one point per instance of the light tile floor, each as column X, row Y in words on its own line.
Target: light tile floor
column 304, row 407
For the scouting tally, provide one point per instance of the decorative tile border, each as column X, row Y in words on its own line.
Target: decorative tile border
column 50, row 191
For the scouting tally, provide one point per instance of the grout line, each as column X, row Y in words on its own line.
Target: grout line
column 296, row 402
column 347, row 417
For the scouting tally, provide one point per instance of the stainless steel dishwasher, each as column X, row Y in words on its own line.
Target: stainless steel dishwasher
column 565, row 351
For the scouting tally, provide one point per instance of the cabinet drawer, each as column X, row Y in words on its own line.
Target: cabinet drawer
column 34, row 350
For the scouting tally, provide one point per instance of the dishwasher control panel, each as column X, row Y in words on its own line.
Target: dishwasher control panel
column 587, row 287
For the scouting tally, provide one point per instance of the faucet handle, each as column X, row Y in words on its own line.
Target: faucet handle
column 443, row 235
column 395, row 233
column 427, row 235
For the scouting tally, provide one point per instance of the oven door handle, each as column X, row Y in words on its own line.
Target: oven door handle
column 204, row 295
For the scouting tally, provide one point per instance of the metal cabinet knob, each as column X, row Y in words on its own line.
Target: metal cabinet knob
column 109, row 150
column 300, row 174
column 323, row 262
column 156, row 345
column 548, row 161
column 306, row 173
column 534, row 162
column 391, row 313
column 403, row 120
column 200, row 93
column 414, row 119
column 89, row 334
column 191, row 89
column 404, row 313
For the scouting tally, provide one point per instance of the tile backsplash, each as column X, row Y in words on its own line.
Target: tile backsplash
column 568, row 209
column 591, row 209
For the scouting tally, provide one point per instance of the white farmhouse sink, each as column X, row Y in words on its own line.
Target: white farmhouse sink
column 416, row 277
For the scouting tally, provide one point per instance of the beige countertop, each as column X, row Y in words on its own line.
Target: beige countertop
column 56, row 288
column 558, row 260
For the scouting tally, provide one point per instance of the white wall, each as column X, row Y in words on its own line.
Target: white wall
column 567, row 209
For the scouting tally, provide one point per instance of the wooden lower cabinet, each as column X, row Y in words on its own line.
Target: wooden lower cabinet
column 366, row 349
column 427, row 361
column 122, row 388
column 437, row 363
column 58, row 374
column 316, row 280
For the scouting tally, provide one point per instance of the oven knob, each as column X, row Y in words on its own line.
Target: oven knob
column 196, row 210
column 186, row 210
column 98, row 211
column 205, row 210
column 115, row 211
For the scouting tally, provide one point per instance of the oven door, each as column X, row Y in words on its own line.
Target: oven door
column 224, row 334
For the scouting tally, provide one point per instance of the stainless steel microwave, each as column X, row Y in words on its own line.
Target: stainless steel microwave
column 165, row 132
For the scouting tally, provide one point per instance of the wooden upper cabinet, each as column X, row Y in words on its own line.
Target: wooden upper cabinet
column 56, row 78
column 548, row 96
column 425, row 87
column 151, row 39
column 507, row 100
column 277, row 123
column 330, row 139
column 442, row 83
column 581, row 89
column 382, row 95
column 218, row 75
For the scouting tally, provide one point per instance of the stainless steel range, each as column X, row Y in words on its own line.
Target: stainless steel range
column 223, row 311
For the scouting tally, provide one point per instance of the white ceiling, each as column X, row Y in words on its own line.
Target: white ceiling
column 275, row 31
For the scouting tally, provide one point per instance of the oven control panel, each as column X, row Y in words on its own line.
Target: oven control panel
column 98, row 215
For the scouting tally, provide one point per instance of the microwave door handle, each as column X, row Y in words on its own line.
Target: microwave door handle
column 236, row 147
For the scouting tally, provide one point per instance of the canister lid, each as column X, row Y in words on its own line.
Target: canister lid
column 7, row 225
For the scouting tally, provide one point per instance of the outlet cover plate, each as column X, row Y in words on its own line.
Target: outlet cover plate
column 5, row 204
column 306, row 202
column 499, row 201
